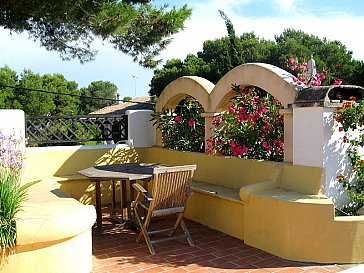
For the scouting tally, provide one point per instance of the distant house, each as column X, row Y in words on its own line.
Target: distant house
column 140, row 103
column 116, row 130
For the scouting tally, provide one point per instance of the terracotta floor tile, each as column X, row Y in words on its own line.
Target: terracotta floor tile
column 115, row 250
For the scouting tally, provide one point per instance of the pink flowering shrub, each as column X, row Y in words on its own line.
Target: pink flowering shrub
column 250, row 128
column 307, row 73
column 184, row 128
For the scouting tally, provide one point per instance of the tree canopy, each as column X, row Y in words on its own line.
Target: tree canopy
column 64, row 97
column 221, row 55
column 134, row 27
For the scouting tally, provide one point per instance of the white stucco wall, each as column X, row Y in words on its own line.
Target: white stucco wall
column 317, row 142
column 13, row 121
column 308, row 136
column 335, row 159
column 141, row 132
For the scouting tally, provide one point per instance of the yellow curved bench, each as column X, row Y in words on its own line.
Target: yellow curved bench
column 53, row 233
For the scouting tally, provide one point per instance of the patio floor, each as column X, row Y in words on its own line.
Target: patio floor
column 115, row 250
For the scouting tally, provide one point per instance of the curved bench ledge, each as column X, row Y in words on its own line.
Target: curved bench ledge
column 246, row 191
column 48, row 214
column 216, row 191
column 302, row 227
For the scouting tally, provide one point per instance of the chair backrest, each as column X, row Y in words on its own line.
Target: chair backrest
column 171, row 186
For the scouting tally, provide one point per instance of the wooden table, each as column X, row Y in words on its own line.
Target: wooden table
column 118, row 172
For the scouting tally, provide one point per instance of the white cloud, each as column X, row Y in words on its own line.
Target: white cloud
column 285, row 6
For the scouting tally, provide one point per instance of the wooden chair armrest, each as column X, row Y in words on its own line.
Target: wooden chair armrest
column 143, row 191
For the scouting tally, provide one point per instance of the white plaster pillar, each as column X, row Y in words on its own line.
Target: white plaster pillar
column 288, row 134
column 308, row 136
column 317, row 142
column 13, row 121
column 209, row 128
column 141, row 132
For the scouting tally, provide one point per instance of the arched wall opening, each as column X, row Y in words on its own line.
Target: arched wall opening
column 214, row 99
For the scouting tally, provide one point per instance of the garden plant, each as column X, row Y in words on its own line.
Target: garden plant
column 184, row 128
column 250, row 128
column 350, row 117
column 12, row 192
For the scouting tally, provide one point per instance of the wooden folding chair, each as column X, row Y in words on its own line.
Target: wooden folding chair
column 171, row 189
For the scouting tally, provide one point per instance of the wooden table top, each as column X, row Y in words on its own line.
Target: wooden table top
column 130, row 171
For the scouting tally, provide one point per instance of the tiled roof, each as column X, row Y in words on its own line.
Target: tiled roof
column 140, row 103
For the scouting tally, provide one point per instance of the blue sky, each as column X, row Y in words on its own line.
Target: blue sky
column 333, row 19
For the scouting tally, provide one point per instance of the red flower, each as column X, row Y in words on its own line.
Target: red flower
column 178, row 119
column 352, row 98
column 341, row 129
column 266, row 146
column 231, row 109
column 191, row 122
column 347, row 104
column 216, row 121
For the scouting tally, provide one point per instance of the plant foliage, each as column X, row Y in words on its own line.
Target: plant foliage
column 351, row 117
column 250, row 128
column 12, row 193
column 184, row 128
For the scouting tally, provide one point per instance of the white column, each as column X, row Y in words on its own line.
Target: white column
column 288, row 134
column 317, row 142
column 141, row 132
column 308, row 136
column 209, row 128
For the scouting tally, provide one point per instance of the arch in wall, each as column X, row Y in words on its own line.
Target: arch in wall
column 173, row 93
column 276, row 81
column 214, row 99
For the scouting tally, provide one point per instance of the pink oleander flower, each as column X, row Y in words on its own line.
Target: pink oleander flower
column 280, row 143
column 291, row 60
column 242, row 110
column 265, row 127
column 266, row 146
column 337, row 81
column 303, row 67
column 216, row 121
column 245, row 149
column 243, row 117
column 178, row 119
column 231, row 109
column 191, row 122
column 236, row 149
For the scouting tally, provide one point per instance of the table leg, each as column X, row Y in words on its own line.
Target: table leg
column 113, row 202
column 124, row 201
column 132, row 223
column 98, row 204
column 113, row 196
